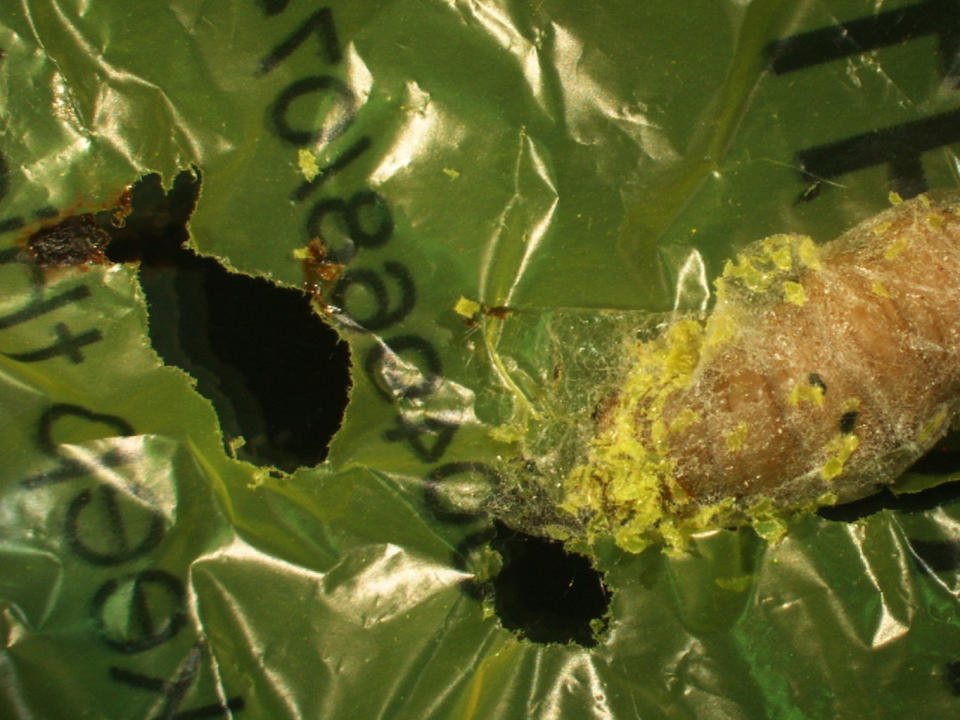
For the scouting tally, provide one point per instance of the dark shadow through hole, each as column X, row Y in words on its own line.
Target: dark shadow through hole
column 545, row 593
column 276, row 374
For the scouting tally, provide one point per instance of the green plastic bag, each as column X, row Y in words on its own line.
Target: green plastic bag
column 561, row 173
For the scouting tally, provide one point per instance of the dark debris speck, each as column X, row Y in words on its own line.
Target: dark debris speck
column 848, row 421
column 77, row 240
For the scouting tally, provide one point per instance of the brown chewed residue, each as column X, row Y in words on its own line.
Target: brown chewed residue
column 76, row 240
column 319, row 273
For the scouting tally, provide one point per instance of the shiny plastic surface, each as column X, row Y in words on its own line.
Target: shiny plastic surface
column 578, row 171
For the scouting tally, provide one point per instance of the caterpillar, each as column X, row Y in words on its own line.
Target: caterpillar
column 821, row 373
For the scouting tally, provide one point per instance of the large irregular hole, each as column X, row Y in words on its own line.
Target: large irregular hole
column 276, row 374
column 546, row 593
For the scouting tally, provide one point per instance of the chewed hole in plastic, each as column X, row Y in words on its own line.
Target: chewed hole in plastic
column 546, row 593
column 276, row 374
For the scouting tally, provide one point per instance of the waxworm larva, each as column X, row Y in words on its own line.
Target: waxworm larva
column 821, row 374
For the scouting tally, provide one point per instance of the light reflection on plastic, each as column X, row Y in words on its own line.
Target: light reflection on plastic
column 540, row 227
column 423, row 128
column 581, row 662
column 585, row 99
column 498, row 25
column 889, row 628
column 390, row 585
column 693, row 288
column 527, row 213
column 146, row 480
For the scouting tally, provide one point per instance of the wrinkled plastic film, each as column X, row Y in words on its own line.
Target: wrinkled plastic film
column 513, row 201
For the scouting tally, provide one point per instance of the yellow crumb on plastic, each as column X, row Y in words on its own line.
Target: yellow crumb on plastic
column 809, row 253
column 894, row 198
column 767, row 520
column 831, row 468
column 736, row 437
column 451, row 173
column 301, row 253
column 841, row 447
column 878, row 289
column 777, row 248
column 924, row 200
column 747, row 272
column 897, row 246
column 825, row 499
column 467, row 308
column 851, row 403
column 683, row 341
column 775, row 259
column 509, row 433
column 307, row 162
column 793, row 293
column 558, row 532
column 721, row 327
column 806, row 392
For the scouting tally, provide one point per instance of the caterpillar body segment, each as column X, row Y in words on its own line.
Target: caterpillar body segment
column 820, row 375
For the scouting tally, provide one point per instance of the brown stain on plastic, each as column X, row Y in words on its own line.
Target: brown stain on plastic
column 118, row 215
column 497, row 312
column 319, row 274
column 500, row 312
column 78, row 239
